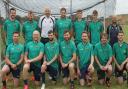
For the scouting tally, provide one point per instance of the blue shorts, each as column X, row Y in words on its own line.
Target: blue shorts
column 15, row 73
column 83, row 72
column 65, row 72
column 53, row 72
column 36, row 70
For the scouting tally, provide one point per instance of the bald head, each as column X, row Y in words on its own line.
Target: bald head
column 47, row 11
column 36, row 35
column 114, row 19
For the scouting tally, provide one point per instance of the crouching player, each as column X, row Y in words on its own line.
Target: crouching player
column 85, row 60
column 13, row 60
column 33, row 55
column 67, row 59
column 51, row 54
column 120, row 50
column 103, row 57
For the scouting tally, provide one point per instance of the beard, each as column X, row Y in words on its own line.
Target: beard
column 51, row 39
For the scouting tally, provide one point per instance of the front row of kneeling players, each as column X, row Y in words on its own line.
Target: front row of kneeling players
column 69, row 56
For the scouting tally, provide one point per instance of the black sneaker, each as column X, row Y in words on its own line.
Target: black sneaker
column 107, row 81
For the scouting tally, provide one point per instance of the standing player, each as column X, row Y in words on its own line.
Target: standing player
column 95, row 29
column 79, row 26
column 13, row 60
column 10, row 26
column 113, row 30
column 46, row 23
column 62, row 24
column 29, row 27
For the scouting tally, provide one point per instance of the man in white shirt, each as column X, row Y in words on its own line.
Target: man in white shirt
column 46, row 23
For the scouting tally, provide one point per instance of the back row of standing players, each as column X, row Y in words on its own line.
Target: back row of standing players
column 64, row 29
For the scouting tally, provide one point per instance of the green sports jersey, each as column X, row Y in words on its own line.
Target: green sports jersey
column 52, row 49
column 28, row 29
column 67, row 49
column 79, row 27
column 103, row 53
column 120, row 52
column 61, row 26
column 34, row 49
column 84, row 52
column 95, row 29
column 14, row 52
column 10, row 27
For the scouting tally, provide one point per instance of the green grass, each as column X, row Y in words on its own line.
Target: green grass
column 59, row 84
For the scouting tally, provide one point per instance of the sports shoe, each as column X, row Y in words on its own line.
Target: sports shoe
column 43, row 86
column 26, row 87
column 107, row 81
column 72, row 86
column 4, row 87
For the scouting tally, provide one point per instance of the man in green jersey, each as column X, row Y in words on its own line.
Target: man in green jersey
column 79, row 26
column 67, row 58
column 29, row 27
column 50, row 64
column 62, row 24
column 33, row 55
column 10, row 26
column 103, row 58
column 120, row 51
column 13, row 60
column 95, row 29
column 85, row 60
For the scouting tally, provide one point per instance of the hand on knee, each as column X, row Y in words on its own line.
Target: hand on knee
column 71, row 66
column 43, row 68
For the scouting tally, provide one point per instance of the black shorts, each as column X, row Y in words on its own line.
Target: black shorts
column 83, row 72
column 101, row 74
column 53, row 72
column 36, row 70
column 119, row 73
column 65, row 72
column 15, row 73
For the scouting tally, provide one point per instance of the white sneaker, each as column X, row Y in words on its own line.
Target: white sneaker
column 50, row 78
column 43, row 86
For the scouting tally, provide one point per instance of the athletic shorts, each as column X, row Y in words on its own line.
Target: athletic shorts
column 36, row 70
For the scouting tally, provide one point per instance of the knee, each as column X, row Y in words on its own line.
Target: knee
column 71, row 66
column 91, row 71
column 26, row 67
column 110, row 68
column 127, row 66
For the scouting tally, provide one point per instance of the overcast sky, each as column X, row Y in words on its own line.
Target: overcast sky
column 122, row 7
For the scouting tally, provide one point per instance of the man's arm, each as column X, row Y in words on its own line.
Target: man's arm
column 97, row 61
column 21, row 60
column 7, row 61
column 21, row 57
column 38, row 58
column 54, row 58
column 73, row 58
column 109, row 61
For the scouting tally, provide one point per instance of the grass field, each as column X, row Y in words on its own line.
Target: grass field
column 59, row 84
